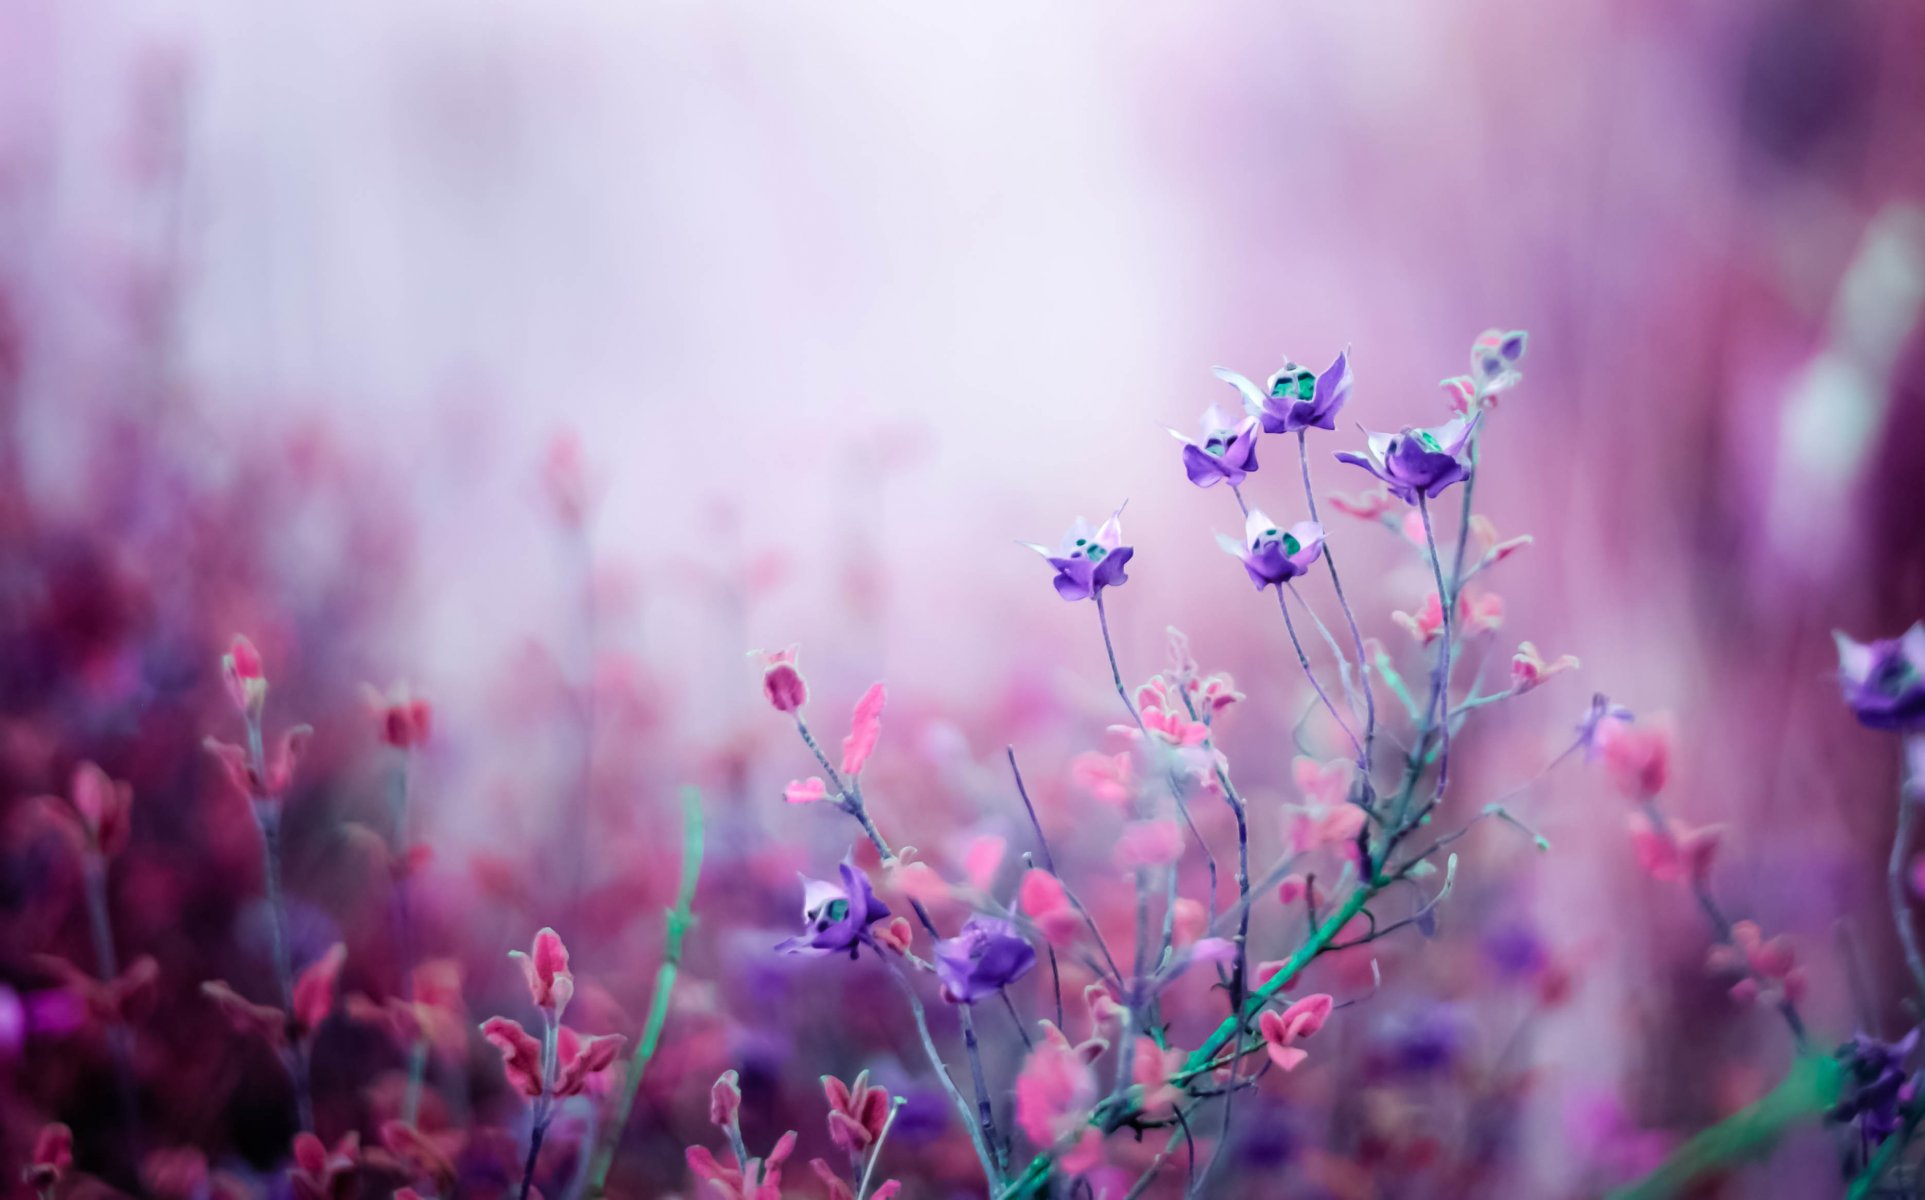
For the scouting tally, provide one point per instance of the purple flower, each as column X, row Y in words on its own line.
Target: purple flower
column 836, row 916
column 1876, row 1083
column 1226, row 453
column 1295, row 400
column 1494, row 357
column 1884, row 681
column 985, row 958
column 1417, row 460
column 1088, row 561
column 1272, row 555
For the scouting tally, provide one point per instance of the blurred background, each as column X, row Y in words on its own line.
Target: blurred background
column 552, row 357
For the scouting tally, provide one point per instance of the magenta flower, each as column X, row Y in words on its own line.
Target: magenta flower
column 1272, row 555
column 985, row 958
column 836, row 916
column 1884, row 681
column 1296, row 400
column 1417, row 461
column 1088, row 560
column 1227, row 453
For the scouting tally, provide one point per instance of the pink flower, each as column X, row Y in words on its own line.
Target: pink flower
column 550, row 983
column 1106, row 777
column 805, row 791
column 1636, row 757
column 1770, row 968
column 520, row 1054
column 1044, row 901
column 982, row 858
column 782, row 682
column 323, row 1174
column 1297, row 887
column 1264, row 972
column 1677, row 853
column 1175, row 729
column 1528, row 669
column 1189, row 921
column 581, row 1058
column 1214, row 693
column 315, row 989
column 1151, row 1070
column 1319, row 825
column 725, row 1100
column 857, row 1112
column 53, row 1156
column 1055, row 1089
column 1325, row 783
column 1372, row 505
column 245, row 676
column 104, row 807
column 400, row 720
column 757, row 1179
column 1281, row 1030
column 1480, row 613
column 1154, row 843
column 865, row 728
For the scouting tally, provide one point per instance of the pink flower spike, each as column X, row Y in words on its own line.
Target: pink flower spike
column 1155, row 843
column 725, row 1100
column 583, row 1058
column 805, row 791
column 550, row 983
column 104, row 806
column 1678, row 854
column 864, row 729
column 1636, row 757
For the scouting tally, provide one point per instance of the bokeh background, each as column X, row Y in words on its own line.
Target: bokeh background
column 315, row 320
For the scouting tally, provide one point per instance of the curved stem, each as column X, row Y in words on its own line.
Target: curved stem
column 942, row 1073
column 1109, row 648
column 1343, row 602
column 1440, row 683
column 1303, row 660
column 1896, row 889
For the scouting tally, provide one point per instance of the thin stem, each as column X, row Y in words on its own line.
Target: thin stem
column 267, row 818
column 1303, row 660
column 1116, row 674
column 1343, row 602
column 1440, row 682
column 983, row 1112
column 1042, row 842
column 680, row 918
column 107, row 963
column 895, row 1106
column 535, row 1134
column 983, row 1155
column 1896, row 886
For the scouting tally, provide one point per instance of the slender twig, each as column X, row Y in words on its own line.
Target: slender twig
column 1440, row 683
column 983, row 1154
column 1303, row 660
column 1356, row 634
column 1896, row 883
column 680, row 918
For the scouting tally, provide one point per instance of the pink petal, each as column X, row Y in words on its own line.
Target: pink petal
column 865, row 728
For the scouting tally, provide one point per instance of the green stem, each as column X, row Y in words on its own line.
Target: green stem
column 679, row 919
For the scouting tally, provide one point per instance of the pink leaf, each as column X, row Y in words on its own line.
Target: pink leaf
column 864, row 728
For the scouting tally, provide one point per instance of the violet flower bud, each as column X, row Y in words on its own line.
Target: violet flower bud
column 1884, row 681
column 985, row 958
column 1272, row 555
column 1088, row 560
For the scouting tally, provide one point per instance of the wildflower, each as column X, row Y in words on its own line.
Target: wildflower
column 1417, row 461
column 551, row 985
column 1271, row 555
column 1493, row 361
column 575, row 1061
column 1475, row 614
column 1151, row 843
column 1282, row 1030
column 857, row 1112
column 1373, row 505
column 1770, row 968
column 100, row 807
column 985, row 958
column 245, row 677
column 1877, row 1083
column 1884, row 681
column 865, row 728
column 1319, row 825
column 314, row 994
column 1294, row 399
column 1106, row 777
column 1089, row 560
column 400, row 720
column 271, row 782
column 1044, row 902
column 1676, row 853
column 323, row 1174
column 1227, row 453
column 1151, row 1070
column 1055, row 1091
column 53, row 1156
column 1598, row 720
column 1325, row 783
column 1165, row 716
column 1214, row 693
column 1529, row 670
column 756, row 1179
column 782, row 682
column 836, row 917
column 1636, row 757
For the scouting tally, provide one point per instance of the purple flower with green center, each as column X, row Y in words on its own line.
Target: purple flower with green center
column 985, row 958
column 836, row 916
column 1884, row 681
column 1295, row 399
column 1417, row 461
column 1088, row 560
column 1227, row 453
column 1876, row 1083
column 1272, row 555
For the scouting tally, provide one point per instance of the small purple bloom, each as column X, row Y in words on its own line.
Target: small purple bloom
column 1417, row 460
column 1494, row 357
column 1227, row 452
column 1272, row 555
column 836, row 916
column 985, row 958
column 1602, row 712
column 1876, row 1083
column 1884, row 681
column 1088, row 560
column 1295, row 399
